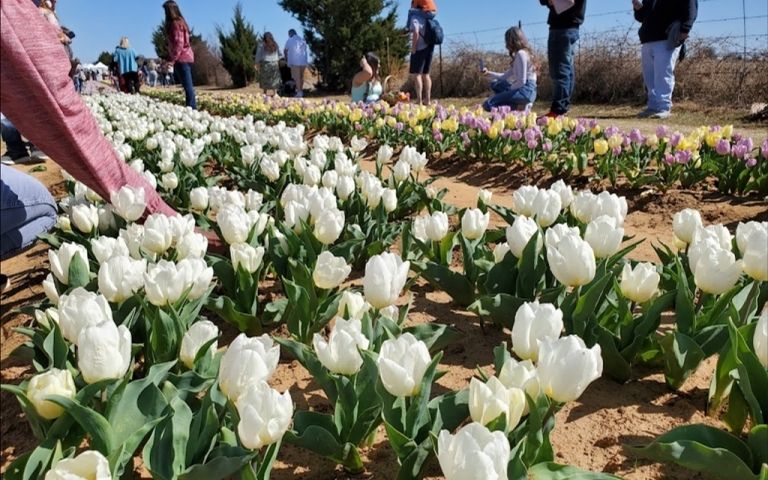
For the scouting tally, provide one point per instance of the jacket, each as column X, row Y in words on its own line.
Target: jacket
column 178, row 44
column 657, row 16
column 571, row 18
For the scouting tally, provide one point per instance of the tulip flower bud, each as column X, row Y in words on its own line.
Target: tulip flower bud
column 121, row 277
column 329, row 225
column 564, row 191
column 566, row 367
column 714, row 233
column 402, row 363
column 436, row 226
column 61, row 258
column 572, row 261
column 385, row 277
column 198, row 335
column 246, row 257
column 49, row 287
column 546, row 207
column 744, row 232
column 515, row 374
column 85, row 217
column 79, row 309
column 104, row 248
column 760, row 339
column 555, row 233
column 384, row 154
column 583, row 205
column 474, row 223
column 604, row 235
column 488, row 401
column 522, row 200
column 129, row 203
column 158, row 235
column 717, row 272
column 641, row 283
column 473, row 452
column 485, row 196
column 685, row 222
column 169, row 181
column 265, row 415
column 534, row 323
column 247, row 362
column 611, row 205
column 198, row 198
column 52, row 382
column 520, row 233
column 330, row 179
column 103, row 351
column 345, row 187
column 191, row 245
column 89, row 465
column 330, row 271
column 234, row 223
column 133, row 236
column 500, row 251
column 352, row 305
column 340, row 353
column 401, row 171
column 389, row 199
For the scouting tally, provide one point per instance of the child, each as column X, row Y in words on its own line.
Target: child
column 515, row 88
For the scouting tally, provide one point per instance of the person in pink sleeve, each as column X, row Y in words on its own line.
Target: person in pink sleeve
column 181, row 55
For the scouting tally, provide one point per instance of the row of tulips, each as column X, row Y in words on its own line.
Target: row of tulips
column 563, row 146
column 127, row 363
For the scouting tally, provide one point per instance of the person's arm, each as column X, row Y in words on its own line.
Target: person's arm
column 498, row 75
column 176, row 41
column 519, row 70
column 39, row 98
column 692, row 11
column 640, row 10
column 364, row 75
column 415, row 26
column 260, row 53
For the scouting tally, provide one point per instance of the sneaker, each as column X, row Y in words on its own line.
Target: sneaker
column 39, row 155
column 8, row 160
column 647, row 113
column 662, row 114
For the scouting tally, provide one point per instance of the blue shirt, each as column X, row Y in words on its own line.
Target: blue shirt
column 126, row 60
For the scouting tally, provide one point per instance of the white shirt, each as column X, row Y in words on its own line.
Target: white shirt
column 296, row 51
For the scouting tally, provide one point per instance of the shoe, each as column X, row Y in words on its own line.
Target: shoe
column 8, row 160
column 39, row 155
column 662, row 114
column 5, row 283
column 646, row 113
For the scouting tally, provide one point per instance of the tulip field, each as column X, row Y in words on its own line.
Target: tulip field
column 301, row 348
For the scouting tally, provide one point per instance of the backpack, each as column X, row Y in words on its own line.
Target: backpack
column 433, row 33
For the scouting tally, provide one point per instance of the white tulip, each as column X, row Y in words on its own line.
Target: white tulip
column 79, row 309
column 312, row 175
column 401, row 171
column 534, row 323
column 253, row 200
column 717, row 233
column 583, row 205
column 760, row 339
column 473, row 453
column 352, row 305
column 295, row 214
column 685, row 222
column 436, row 226
column 384, row 154
column 191, row 245
column 500, row 251
column 419, row 228
column 89, row 465
column 129, row 203
column 566, row 367
column 417, row 160
column 85, row 217
column 389, row 200
column 717, row 272
column 133, row 236
column 572, row 261
column 546, row 207
column 103, row 351
column 402, row 364
column 474, row 223
column 319, row 201
column 60, row 260
column 345, row 187
column 329, row 225
column 265, row 415
column 641, row 283
column 52, row 382
column 49, row 287
column 121, row 277
column 520, row 233
column 565, row 192
column 485, row 196
column 604, row 235
column 197, row 276
column 358, row 144
column 522, row 200
column 63, row 223
column 385, row 277
column 753, row 245
column 234, row 224
column 340, row 353
column 165, row 282
column 330, row 179
column 247, row 362
column 611, row 205
column 158, row 235
column 169, row 181
column 555, row 233
column 104, row 248
column 515, row 374
column 196, row 337
column 373, row 195
column 488, row 401
column 270, row 169
column 705, row 247
column 107, row 222
column 330, row 271
column 744, row 232
column 246, row 257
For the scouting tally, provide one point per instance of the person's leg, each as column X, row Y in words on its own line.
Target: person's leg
column 510, row 98
column 664, row 74
column 646, row 53
column 189, row 87
column 499, row 86
column 427, row 78
column 573, row 38
column 560, row 52
column 428, row 87
column 12, row 138
column 27, row 208
column 419, row 87
column 302, row 70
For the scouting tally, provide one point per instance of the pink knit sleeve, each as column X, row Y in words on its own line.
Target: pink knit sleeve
column 40, row 99
column 176, row 42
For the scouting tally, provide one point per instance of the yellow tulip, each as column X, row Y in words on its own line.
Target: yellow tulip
column 601, row 147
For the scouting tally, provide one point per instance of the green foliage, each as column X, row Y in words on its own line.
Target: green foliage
column 339, row 32
column 238, row 49
column 105, row 57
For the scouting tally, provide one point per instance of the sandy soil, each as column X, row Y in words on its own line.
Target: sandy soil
column 590, row 433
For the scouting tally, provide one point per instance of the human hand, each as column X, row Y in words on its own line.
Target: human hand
column 637, row 4
column 484, row 71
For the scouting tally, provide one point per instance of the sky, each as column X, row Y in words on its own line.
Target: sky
column 100, row 24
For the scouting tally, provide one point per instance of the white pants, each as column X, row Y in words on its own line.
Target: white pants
column 297, row 73
column 659, row 74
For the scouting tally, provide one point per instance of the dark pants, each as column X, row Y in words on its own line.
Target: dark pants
column 183, row 72
column 17, row 147
column 560, row 50
column 506, row 96
column 131, row 82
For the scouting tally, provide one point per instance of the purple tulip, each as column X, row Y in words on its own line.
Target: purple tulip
column 547, row 146
column 723, row 147
column 751, row 162
column 675, row 139
column 669, row 159
column 662, row 131
column 399, row 126
column 611, row 131
column 739, row 151
column 764, row 148
column 635, row 136
column 532, row 144
column 516, row 135
column 683, row 157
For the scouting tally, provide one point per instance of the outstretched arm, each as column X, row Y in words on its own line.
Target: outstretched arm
column 39, row 98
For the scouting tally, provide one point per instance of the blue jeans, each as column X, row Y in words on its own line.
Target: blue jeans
column 183, row 72
column 27, row 210
column 560, row 50
column 17, row 147
column 659, row 74
column 505, row 96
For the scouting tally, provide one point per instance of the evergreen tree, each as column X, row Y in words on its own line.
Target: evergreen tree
column 105, row 57
column 339, row 32
column 160, row 41
column 238, row 49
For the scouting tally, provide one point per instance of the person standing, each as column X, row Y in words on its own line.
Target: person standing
column 565, row 18
column 421, row 50
column 127, row 66
column 181, row 55
column 268, row 59
column 152, row 73
column 297, row 58
column 665, row 25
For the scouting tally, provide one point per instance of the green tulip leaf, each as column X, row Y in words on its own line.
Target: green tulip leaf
column 682, row 355
column 554, row 471
column 436, row 336
column 98, row 428
column 500, row 308
column 223, row 462
column 502, row 277
column 453, row 283
column 79, row 275
column 228, row 311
